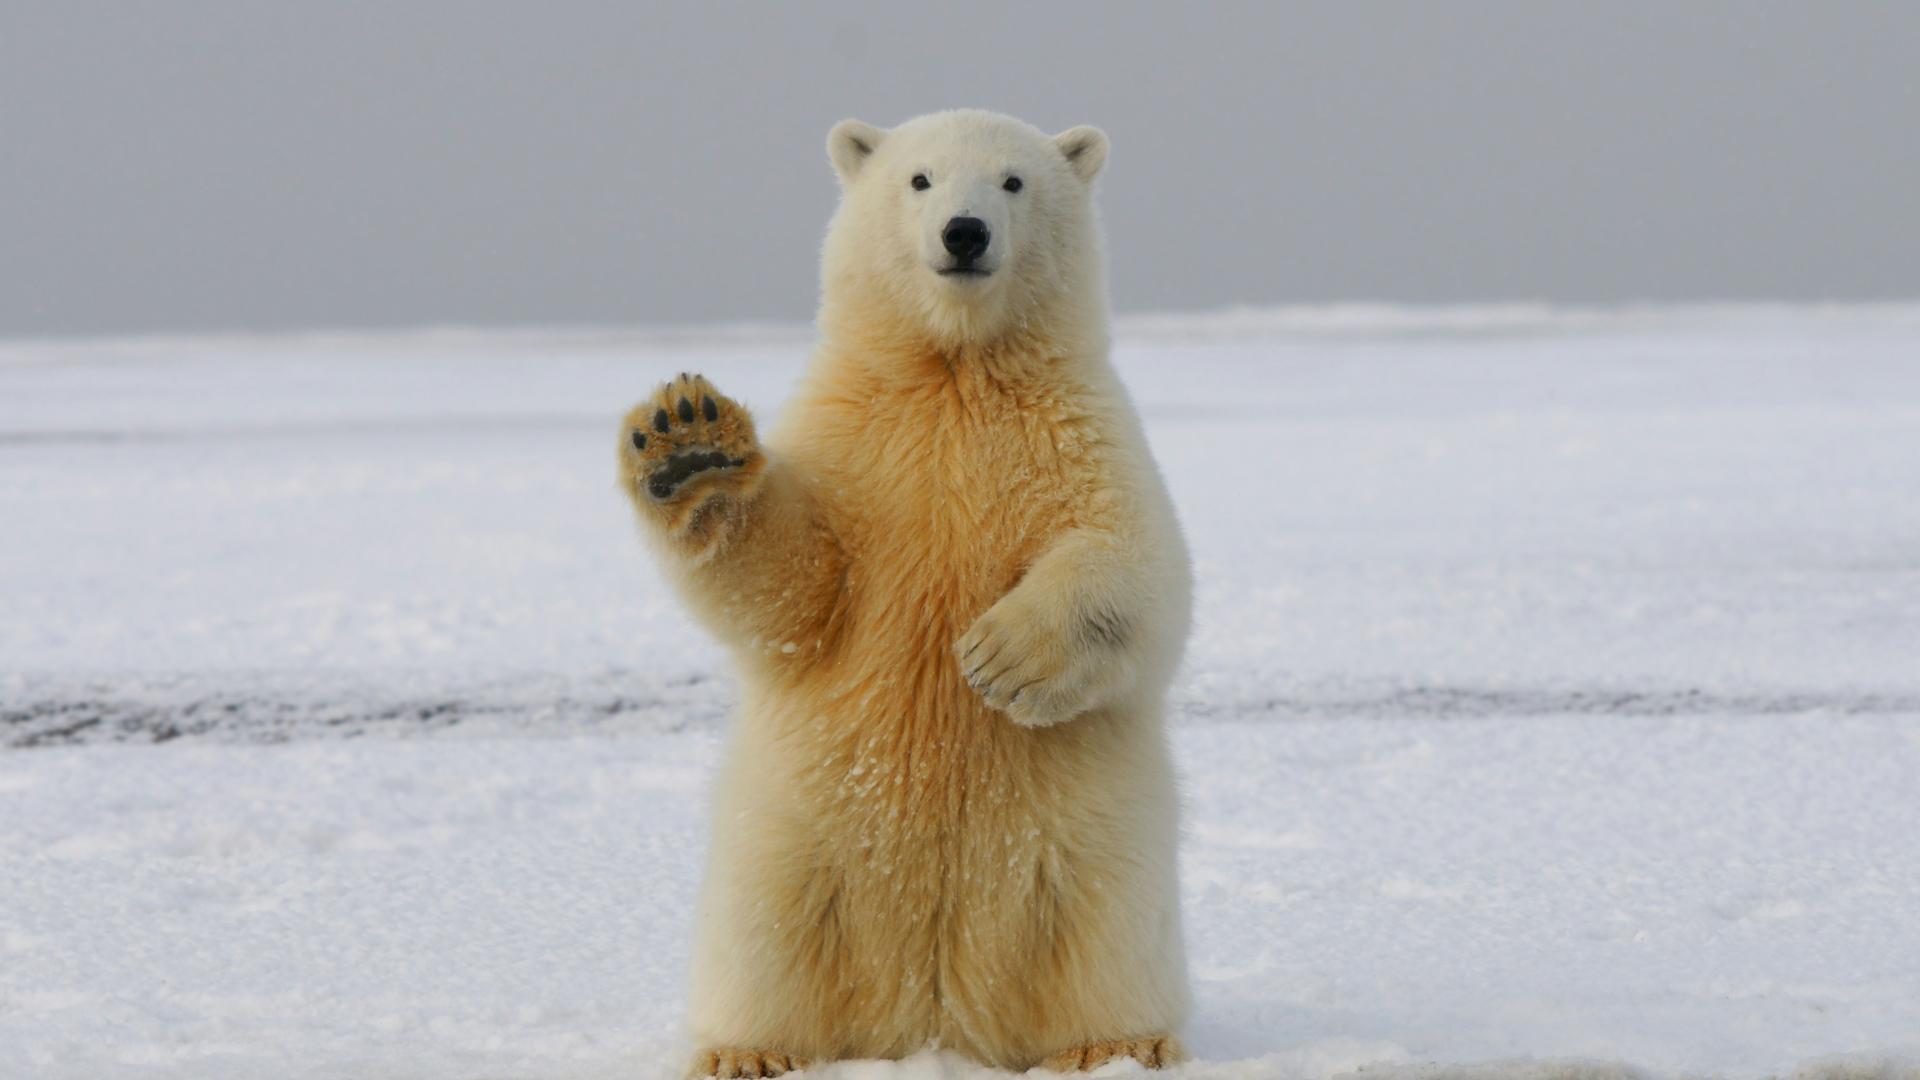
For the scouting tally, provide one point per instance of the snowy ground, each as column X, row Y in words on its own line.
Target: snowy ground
column 1556, row 684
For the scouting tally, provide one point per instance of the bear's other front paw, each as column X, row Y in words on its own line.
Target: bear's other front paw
column 1018, row 661
column 687, row 441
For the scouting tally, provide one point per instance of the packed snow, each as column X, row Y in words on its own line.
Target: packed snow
column 1553, row 706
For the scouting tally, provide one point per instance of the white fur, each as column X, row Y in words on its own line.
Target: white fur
column 957, row 598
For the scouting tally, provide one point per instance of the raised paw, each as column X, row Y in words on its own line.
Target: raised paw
column 686, row 441
column 1157, row 1052
column 727, row 1064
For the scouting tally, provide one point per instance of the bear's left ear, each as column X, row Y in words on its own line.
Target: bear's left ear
column 850, row 144
column 1085, row 149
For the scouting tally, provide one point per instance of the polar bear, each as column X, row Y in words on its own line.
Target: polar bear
column 955, row 592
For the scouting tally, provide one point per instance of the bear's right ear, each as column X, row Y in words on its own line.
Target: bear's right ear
column 850, row 144
column 1085, row 148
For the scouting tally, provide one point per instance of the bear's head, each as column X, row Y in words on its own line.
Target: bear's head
column 961, row 227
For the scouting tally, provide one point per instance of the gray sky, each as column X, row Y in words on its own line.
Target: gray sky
column 215, row 165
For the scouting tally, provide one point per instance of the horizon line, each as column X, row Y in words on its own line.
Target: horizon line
column 1334, row 319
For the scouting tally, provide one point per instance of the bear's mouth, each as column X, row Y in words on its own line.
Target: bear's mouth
column 964, row 271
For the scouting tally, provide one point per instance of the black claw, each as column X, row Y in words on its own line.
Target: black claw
column 660, row 489
column 708, row 409
column 639, row 440
column 686, row 411
column 660, row 421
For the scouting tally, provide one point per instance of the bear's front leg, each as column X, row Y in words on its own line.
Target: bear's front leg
column 1064, row 640
column 739, row 529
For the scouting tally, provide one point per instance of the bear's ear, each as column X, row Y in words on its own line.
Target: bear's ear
column 850, row 144
column 1085, row 149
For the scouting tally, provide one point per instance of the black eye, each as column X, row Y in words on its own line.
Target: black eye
column 1012, row 184
column 920, row 182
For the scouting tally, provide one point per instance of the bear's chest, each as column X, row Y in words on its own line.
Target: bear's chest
column 941, row 503
column 966, row 490
column 942, row 495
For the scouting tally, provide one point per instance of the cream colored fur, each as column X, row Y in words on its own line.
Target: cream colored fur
column 956, row 592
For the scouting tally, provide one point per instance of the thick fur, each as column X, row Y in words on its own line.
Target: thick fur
column 956, row 592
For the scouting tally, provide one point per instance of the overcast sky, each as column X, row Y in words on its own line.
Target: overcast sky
column 212, row 166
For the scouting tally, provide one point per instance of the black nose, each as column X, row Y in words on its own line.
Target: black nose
column 966, row 238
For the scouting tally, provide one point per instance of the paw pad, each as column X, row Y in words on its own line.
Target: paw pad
column 687, row 440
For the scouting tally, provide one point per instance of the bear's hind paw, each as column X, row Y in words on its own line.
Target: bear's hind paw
column 730, row 1064
column 1157, row 1052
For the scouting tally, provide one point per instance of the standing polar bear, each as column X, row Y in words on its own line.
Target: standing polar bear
column 956, row 593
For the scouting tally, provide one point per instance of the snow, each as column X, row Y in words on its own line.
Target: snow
column 1552, row 711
